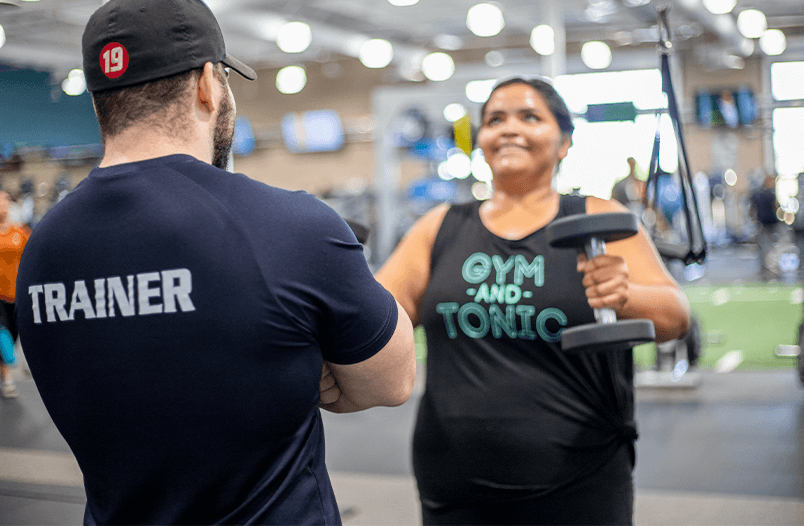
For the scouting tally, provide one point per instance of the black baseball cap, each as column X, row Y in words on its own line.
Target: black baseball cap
column 128, row 42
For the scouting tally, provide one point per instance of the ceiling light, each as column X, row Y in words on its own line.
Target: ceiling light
column 2, row 36
column 543, row 40
column 294, row 37
column 772, row 42
column 482, row 191
column 596, row 55
column 458, row 165
column 291, row 79
column 454, row 111
column 75, row 84
column 376, row 53
column 600, row 11
column 752, row 23
column 480, row 169
column 479, row 90
column 448, row 42
column 269, row 27
column 485, row 20
column 494, row 59
column 438, row 66
column 403, row 3
column 719, row 7
column 442, row 171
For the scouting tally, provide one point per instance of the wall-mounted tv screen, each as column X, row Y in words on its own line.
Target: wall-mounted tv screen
column 727, row 108
column 313, row 131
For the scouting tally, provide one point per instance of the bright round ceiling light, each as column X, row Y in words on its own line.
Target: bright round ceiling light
column 291, row 79
column 403, row 3
column 478, row 91
column 376, row 53
column 773, row 42
column 2, row 36
column 438, row 66
column 75, row 84
column 596, row 55
column 454, row 111
column 294, row 37
column 543, row 40
column 485, row 20
column 752, row 23
column 719, row 7
column 480, row 169
column 458, row 165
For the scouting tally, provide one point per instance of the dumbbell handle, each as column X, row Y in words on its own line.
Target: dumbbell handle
column 596, row 246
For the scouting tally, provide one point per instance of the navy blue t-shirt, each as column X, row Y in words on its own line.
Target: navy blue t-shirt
column 174, row 317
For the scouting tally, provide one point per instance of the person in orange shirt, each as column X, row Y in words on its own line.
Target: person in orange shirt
column 13, row 238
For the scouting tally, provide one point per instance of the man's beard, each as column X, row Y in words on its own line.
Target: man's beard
column 224, row 134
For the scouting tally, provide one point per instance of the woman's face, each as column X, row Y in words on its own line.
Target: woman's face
column 519, row 133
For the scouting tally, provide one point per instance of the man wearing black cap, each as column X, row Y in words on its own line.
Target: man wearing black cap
column 183, row 324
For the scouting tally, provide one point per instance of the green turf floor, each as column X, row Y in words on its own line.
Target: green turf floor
column 750, row 318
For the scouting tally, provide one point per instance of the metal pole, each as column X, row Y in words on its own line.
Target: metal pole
column 555, row 64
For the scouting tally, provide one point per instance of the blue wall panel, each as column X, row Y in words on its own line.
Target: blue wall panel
column 29, row 115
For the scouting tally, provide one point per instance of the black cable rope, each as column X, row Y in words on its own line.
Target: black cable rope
column 695, row 249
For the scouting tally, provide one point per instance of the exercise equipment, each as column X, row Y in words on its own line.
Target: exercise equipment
column 694, row 250
column 675, row 359
column 591, row 233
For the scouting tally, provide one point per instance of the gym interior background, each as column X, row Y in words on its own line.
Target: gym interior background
column 384, row 136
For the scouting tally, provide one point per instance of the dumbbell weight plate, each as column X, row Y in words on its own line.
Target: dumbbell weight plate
column 620, row 335
column 573, row 231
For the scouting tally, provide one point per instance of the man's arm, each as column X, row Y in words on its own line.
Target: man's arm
column 385, row 379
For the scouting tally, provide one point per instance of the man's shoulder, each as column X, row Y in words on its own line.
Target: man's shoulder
column 226, row 185
column 262, row 206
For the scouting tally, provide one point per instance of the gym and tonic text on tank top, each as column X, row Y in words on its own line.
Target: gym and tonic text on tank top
column 496, row 307
column 163, row 292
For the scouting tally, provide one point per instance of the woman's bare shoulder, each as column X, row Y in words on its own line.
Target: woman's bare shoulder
column 596, row 205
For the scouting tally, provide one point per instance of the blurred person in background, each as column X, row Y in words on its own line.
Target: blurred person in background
column 185, row 325
column 764, row 208
column 511, row 429
column 630, row 190
column 13, row 238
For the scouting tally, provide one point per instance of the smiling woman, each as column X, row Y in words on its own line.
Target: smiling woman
column 511, row 429
column 521, row 136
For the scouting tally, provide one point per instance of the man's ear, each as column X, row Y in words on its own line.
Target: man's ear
column 206, row 88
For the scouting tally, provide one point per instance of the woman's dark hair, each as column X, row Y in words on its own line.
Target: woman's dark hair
column 554, row 101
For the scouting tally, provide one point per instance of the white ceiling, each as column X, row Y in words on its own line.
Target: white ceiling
column 47, row 34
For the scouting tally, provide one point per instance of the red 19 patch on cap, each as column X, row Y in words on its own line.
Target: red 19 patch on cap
column 114, row 60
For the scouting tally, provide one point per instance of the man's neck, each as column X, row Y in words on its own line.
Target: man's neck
column 143, row 143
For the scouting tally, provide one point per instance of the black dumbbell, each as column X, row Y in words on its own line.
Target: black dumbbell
column 590, row 232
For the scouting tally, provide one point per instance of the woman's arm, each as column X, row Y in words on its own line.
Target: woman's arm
column 631, row 279
column 406, row 273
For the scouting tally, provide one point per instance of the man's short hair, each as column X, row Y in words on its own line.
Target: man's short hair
column 162, row 104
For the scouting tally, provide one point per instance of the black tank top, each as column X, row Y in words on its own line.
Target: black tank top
column 505, row 412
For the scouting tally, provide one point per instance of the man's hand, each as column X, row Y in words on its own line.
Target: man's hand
column 330, row 392
column 606, row 279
